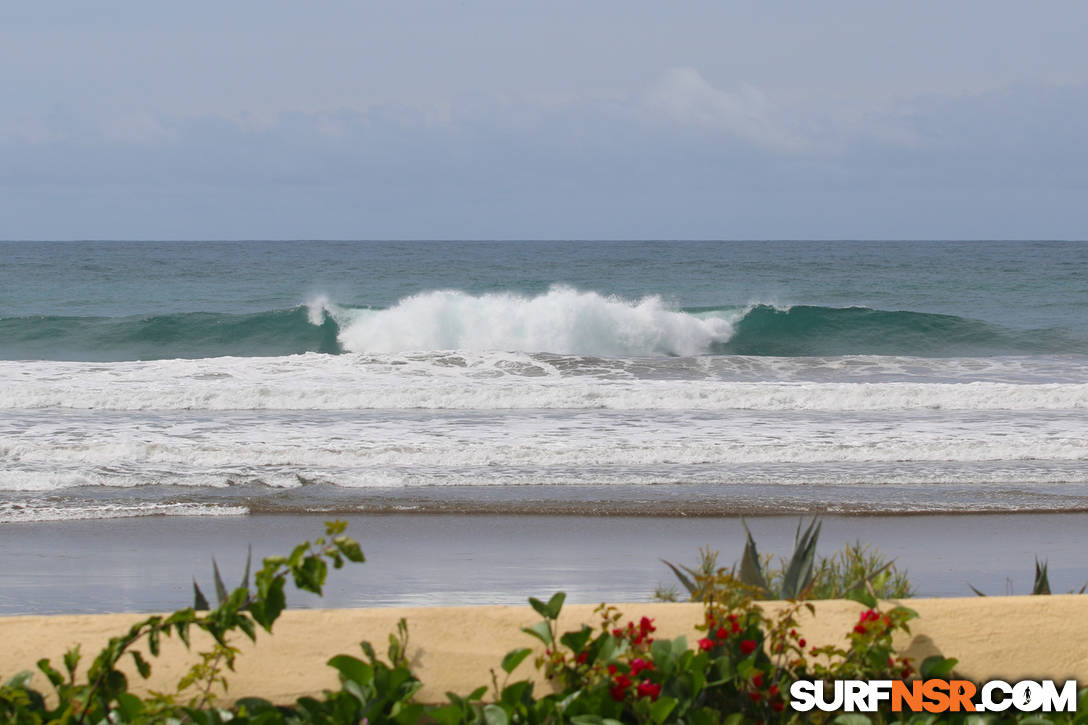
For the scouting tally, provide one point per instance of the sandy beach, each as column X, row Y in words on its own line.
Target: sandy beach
column 455, row 648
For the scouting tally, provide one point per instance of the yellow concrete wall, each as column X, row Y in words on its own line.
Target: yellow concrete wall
column 455, row 648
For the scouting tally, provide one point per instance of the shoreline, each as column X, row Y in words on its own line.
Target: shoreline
column 149, row 563
column 658, row 500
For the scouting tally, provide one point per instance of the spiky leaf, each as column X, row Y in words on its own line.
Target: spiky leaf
column 1042, row 582
column 800, row 572
column 751, row 569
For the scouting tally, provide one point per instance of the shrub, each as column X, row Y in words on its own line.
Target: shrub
column 802, row 576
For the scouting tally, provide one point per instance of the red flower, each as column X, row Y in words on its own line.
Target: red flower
column 617, row 693
column 859, row 628
column 611, row 669
column 646, row 625
column 649, row 689
column 736, row 627
column 773, row 690
column 640, row 665
column 706, row 644
column 622, row 681
column 755, row 696
column 581, row 658
column 747, row 646
column 617, row 632
column 722, row 633
column 778, row 706
column 801, row 643
column 757, row 679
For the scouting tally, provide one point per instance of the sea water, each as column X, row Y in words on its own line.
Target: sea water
column 666, row 377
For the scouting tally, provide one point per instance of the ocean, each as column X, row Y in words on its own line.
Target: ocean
column 665, row 378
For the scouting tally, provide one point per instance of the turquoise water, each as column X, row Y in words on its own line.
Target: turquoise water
column 119, row 301
column 201, row 378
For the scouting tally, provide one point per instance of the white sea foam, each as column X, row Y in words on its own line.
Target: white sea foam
column 487, row 381
column 562, row 321
column 37, row 511
column 52, row 450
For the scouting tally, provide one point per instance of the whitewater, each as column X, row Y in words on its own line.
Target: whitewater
column 663, row 378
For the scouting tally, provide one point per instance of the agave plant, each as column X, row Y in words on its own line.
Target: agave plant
column 200, row 602
column 1041, row 584
column 692, row 579
column 798, row 574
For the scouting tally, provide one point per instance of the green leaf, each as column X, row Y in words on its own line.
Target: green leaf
column 245, row 574
column 153, row 633
column 349, row 548
column 352, row 669
column 448, row 715
column 309, row 574
column 937, row 666
column 862, row 596
column 660, row 710
column 129, row 706
column 408, row 713
column 50, row 672
column 541, row 631
column 200, row 602
column 552, row 608
column 555, row 604
column 246, row 625
column 1042, row 582
column 799, row 572
column 577, row 641
column 751, row 569
column 685, row 581
column 514, row 658
column 269, row 607
column 72, row 657
column 220, row 587
column 141, row 664
column 516, row 693
column 182, row 628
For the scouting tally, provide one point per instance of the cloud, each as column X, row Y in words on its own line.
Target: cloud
column 686, row 97
column 677, row 158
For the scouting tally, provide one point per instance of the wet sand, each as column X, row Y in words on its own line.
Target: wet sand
column 147, row 564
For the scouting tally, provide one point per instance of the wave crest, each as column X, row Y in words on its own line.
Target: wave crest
column 562, row 321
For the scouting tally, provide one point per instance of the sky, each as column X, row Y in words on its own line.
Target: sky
column 557, row 119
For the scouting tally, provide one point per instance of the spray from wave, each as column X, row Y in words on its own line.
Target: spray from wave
column 562, row 321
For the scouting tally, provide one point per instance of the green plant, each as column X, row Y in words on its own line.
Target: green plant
column 859, row 566
column 1040, row 584
column 803, row 575
column 799, row 570
column 740, row 671
column 102, row 692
